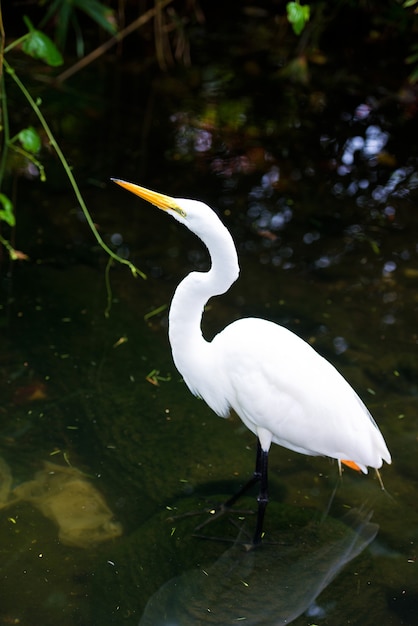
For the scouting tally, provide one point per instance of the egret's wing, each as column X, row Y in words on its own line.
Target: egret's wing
column 279, row 383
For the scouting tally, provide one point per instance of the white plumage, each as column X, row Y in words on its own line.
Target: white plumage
column 282, row 389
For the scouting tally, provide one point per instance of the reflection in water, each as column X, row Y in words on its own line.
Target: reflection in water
column 267, row 586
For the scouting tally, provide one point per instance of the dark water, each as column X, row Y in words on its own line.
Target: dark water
column 318, row 186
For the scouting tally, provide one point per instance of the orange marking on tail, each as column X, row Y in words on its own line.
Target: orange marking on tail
column 351, row 464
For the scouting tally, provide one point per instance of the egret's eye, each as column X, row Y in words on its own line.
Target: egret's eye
column 180, row 211
column 175, row 207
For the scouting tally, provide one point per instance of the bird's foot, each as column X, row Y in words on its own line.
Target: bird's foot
column 243, row 539
column 217, row 512
column 214, row 513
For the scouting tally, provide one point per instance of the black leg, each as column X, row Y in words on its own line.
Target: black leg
column 260, row 475
column 253, row 480
column 262, row 498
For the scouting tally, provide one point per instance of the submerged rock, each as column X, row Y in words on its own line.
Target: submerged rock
column 65, row 496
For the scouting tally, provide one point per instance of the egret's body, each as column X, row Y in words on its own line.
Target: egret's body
column 282, row 389
column 316, row 411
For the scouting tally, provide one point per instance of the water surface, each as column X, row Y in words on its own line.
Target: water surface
column 319, row 192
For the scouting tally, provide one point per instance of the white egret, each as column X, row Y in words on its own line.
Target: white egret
column 280, row 387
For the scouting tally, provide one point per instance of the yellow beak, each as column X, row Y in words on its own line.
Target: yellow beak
column 158, row 199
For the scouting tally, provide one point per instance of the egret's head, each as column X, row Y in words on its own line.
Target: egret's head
column 161, row 201
column 201, row 220
column 197, row 216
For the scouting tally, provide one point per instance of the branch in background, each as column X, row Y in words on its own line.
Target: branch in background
column 95, row 54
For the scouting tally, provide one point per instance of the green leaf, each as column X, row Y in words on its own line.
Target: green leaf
column 6, row 213
column 413, row 77
column 100, row 13
column 62, row 20
column 413, row 58
column 30, row 140
column 298, row 15
column 39, row 46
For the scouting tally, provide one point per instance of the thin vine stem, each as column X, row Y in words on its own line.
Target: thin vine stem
column 15, row 43
column 9, row 247
column 135, row 271
column 5, row 124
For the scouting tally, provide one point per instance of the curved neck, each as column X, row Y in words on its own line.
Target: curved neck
column 193, row 293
